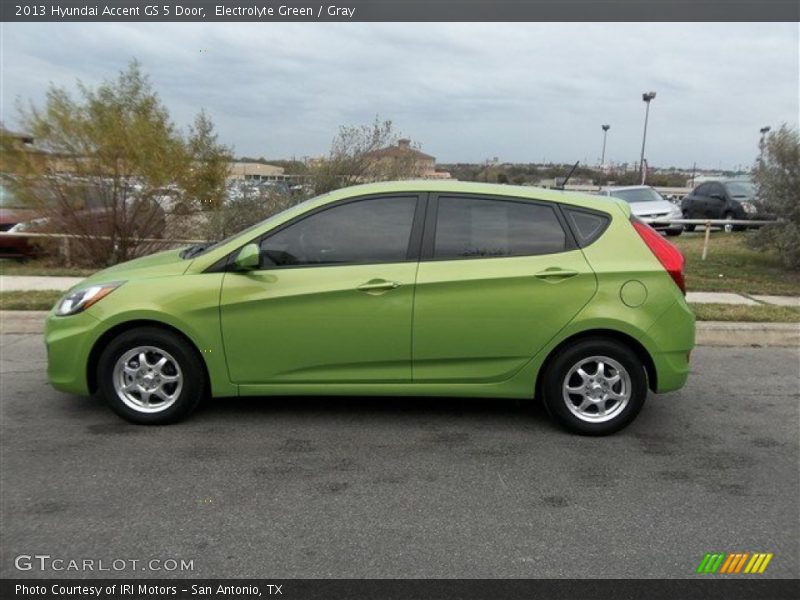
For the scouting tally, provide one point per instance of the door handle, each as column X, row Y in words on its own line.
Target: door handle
column 378, row 285
column 554, row 274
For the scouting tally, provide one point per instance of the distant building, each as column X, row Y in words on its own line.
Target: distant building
column 398, row 158
column 253, row 171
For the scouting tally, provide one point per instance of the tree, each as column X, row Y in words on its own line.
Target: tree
column 355, row 157
column 777, row 179
column 102, row 162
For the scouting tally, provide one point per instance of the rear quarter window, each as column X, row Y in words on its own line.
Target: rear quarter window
column 587, row 225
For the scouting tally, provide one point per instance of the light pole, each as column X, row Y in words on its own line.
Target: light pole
column 764, row 131
column 647, row 97
column 605, row 135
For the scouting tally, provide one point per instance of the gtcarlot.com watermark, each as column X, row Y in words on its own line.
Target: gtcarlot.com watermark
column 46, row 562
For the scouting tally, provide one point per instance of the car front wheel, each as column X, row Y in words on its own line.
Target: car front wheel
column 150, row 376
column 687, row 226
column 595, row 387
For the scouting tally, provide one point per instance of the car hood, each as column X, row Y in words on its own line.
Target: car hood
column 160, row 264
column 645, row 209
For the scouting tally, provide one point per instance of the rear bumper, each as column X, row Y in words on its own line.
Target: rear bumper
column 673, row 335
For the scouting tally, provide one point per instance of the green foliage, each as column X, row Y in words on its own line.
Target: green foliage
column 102, row 161
column 354, row 158
column 777, row 179
column 246, row 208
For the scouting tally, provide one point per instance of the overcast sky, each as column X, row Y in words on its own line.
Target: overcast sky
column 523, row 92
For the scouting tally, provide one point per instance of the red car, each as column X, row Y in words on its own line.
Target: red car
column 11, row 214
column 93, row 217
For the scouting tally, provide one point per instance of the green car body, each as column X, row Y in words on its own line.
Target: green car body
column 481, row 326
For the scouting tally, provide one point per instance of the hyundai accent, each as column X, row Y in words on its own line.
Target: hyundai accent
column 405, row 288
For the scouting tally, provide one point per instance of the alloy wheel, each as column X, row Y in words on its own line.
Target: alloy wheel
column 597, row 389
column 147, row 379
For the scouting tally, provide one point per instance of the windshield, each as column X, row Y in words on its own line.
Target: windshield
column 741, row 189
column 7, row 199
column 637, row 195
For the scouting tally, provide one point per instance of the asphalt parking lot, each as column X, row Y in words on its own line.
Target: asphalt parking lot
column 318, row 487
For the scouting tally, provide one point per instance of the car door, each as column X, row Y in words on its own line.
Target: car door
column 498, row 279
column 715, row 201
column 694, row 203
column 332, row 299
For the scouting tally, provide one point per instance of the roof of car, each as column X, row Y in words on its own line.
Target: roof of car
column 622, row 188
column 470, row 187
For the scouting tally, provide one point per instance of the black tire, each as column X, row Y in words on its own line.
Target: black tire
column 686, row 226
column 559, row 367
column 190, row 372
column 674, row 232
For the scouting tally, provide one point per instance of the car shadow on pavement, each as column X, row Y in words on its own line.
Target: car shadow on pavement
column 372, row 406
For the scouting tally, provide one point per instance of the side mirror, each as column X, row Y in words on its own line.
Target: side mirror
column 248, row 259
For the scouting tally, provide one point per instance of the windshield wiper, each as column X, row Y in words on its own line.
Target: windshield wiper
column 195, row 250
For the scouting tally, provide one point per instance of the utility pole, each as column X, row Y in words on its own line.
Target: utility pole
column 646, row 97
column 605, row 135
column 764, row 131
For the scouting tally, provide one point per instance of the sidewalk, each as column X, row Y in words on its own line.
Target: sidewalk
column 14, row 283
column 18, row 283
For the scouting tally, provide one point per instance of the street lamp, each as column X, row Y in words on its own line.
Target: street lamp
column 647, row 97
column 764, row 131
column 605, row 135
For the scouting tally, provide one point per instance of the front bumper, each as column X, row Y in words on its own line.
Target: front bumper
column 69, row 341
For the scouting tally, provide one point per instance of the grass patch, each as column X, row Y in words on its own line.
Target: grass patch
column 33, row 300
column 731, row 266
column 739, row 312
column 41, row 268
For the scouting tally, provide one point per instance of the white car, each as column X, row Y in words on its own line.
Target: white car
column 649, row 205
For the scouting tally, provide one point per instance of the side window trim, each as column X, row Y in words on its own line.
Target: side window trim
column 414, row 245
column 429, row 235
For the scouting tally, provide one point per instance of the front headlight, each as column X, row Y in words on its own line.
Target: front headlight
column 83, row 298
column 675, row 213
column 749, row 207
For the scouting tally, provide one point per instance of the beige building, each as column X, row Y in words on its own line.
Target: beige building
column 251, row 171
column 403, row 158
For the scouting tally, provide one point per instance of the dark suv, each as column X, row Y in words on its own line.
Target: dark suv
column 732, row 199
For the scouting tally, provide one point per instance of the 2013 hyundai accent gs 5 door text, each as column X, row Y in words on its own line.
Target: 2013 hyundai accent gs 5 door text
column 403, row 288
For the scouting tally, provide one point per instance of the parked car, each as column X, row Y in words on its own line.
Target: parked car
column 93, row 216
column 648, row 204
column 412, row 288
column 12, row 212
column 730, row 199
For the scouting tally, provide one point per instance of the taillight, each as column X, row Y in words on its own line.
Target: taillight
column 667, row 254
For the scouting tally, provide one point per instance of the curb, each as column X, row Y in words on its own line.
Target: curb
column 733, row 333
column 709, row 333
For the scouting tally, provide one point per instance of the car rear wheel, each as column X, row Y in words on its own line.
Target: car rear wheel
column 150, row 376
column 687, row 226
column 595, row 387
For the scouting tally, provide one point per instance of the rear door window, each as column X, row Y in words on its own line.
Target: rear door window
column 469, row 227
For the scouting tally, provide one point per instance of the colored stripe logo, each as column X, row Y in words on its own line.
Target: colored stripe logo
column 734, row 563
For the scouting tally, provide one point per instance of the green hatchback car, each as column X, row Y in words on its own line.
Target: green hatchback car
column 405, row 288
